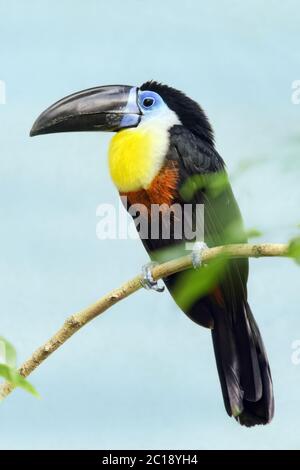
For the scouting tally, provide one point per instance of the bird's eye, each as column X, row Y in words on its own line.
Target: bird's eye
column 148, row 102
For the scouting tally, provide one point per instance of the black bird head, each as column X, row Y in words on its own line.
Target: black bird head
column 190, row 113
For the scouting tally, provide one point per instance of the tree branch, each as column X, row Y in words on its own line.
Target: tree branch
column 78, row 320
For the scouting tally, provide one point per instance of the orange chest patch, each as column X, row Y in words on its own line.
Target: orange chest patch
column 163, row 189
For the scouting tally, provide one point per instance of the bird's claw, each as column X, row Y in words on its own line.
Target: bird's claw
column 148, row 282
column 197, row 252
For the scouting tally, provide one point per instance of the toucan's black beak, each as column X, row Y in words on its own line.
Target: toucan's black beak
column 105, row 108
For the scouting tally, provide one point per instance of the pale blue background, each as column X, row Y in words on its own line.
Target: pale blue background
column 142, row 375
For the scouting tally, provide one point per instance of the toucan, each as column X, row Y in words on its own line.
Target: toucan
column 163, row 139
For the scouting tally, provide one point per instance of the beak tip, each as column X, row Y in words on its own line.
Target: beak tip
column 34, row 130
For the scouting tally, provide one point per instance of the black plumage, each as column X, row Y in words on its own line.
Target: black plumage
column 240, row 354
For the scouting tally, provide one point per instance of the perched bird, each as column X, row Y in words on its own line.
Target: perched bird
column 162, row 140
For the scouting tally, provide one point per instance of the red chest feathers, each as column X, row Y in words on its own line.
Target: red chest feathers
column 163, row 189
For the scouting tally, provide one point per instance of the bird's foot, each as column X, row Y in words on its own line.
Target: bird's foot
column 148, row 282
column 197, row 252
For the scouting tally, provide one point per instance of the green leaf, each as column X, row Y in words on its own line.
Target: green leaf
column 8, row 352
column 11, row 375
column 249, row 163
column 195, row 283
column 234, row 232
column 253, row 233
column 191, row 186
column 213, row 183
column 294, row 249
column 217, row 183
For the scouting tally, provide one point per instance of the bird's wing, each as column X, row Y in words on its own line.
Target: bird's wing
column 241, row 360
column 244, row 375
column 197, row 164
column 203, row 179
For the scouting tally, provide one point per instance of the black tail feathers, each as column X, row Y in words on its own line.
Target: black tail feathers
column 243, row 367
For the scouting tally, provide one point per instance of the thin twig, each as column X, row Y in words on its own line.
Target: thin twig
column 78, row 320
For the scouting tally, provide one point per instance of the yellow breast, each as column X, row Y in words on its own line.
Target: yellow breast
column 136, row 156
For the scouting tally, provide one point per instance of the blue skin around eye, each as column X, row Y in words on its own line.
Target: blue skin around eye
column 150, row 94
column 132, row 120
